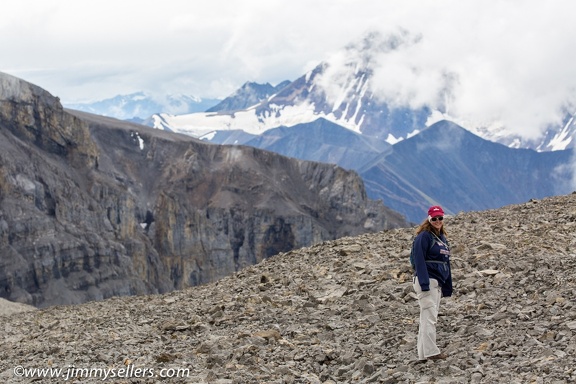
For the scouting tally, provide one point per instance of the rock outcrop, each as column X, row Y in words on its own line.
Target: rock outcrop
column 92, row 207
column 341, row 311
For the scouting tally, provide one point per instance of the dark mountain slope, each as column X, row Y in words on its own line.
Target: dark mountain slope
column 448, row 165
column 320, row 140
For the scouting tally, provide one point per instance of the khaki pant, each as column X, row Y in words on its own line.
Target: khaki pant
column 429, row 302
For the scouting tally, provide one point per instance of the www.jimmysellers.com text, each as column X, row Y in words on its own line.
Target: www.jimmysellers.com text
column 73, row 372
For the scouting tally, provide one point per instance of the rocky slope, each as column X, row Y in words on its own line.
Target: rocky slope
column 341, row 311
column 93, row 207
column 10, row 307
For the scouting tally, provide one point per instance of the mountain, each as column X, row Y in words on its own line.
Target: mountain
column 320, row 140
column 340, row 93
column 447, row 165
column 343, row 311
column 332, row 114
column 475, row 174
column 558, row 138
column 140, row 106
column 93, row 207
column 343, row 89
column 247, row 96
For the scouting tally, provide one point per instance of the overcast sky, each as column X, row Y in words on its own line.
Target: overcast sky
column 511, row 60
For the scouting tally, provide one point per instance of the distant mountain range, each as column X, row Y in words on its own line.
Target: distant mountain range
column 330, row 115
column 139, row 106
column 342, row 90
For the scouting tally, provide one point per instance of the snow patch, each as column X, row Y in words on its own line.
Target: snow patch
column 392, row 140
column 200, row 124
column 140, row 140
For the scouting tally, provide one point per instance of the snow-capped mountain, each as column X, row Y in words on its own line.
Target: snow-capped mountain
column 338, row 93
column 140, row 105
column 558, row 138
column 343, row 91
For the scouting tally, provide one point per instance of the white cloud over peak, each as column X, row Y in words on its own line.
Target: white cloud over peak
column 487, row 63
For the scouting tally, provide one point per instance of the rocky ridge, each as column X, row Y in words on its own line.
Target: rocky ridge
column 341, row 311
column 93, row 207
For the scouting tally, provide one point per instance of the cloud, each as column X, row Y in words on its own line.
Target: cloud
column 489, row 62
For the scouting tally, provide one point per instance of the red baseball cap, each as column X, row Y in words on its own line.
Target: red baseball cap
column 435, row 210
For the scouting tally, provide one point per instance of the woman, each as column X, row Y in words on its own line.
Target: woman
column 432, row 280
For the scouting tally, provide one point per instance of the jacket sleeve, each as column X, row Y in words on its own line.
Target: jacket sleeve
column 421, row 246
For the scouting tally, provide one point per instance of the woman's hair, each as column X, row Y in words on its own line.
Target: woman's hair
column 427, row 226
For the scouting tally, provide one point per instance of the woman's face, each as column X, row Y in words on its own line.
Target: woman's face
column 437, row 222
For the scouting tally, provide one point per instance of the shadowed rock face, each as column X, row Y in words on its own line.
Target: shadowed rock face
column 92, row 207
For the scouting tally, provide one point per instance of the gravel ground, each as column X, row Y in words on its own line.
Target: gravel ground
column 337, row 312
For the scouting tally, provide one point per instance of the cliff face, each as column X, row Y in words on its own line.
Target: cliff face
column 92, row 207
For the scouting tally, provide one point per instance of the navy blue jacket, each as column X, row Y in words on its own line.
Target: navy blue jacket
column 433, row 263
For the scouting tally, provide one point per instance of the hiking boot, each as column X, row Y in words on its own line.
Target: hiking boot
column 440, row 356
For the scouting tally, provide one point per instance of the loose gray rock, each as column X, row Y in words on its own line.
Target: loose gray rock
column 338, row 312
column 9, row 307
